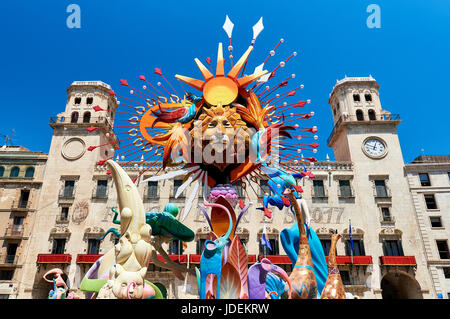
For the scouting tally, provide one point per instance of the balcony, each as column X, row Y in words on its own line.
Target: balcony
column 347, row 192
column 195, row 259
column 7, row 261
column 398, row 261
column 99, row 193
column 20, row 205
column 378, row 119
column 276, row 259
column 67, row 193
column 54, row 259
column 357, row 260
column 382, row 194
column 56, row 121
column 182, row 259
column 150, row 194
column 14, row 232
column 87, row 258
column 387, row 219
column 319, row 192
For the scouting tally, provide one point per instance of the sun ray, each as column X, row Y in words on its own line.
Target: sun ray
column 234, row 72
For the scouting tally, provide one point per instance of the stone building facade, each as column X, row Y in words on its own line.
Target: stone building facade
column 366, row 184
column 429, row 182
column 21, row 175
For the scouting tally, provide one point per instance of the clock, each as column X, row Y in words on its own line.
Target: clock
column 374, row 147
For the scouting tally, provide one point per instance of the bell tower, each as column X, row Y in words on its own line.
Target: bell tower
column 362, row 129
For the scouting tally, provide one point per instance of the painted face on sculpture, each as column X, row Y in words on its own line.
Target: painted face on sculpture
column 129, row 283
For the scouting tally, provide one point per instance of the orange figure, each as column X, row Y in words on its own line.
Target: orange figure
column 302, row 277
column 334, row 288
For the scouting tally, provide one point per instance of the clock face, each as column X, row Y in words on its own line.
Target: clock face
column 374, row 147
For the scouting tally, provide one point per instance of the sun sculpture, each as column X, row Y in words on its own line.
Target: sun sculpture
column 232, row 131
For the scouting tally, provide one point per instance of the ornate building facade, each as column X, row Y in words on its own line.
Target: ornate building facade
column 366, row 185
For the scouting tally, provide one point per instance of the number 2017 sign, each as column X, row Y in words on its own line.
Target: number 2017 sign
column 327, row 215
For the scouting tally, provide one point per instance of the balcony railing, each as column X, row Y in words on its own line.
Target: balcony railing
column 67, row 193
column 87, row 258
column 54, row 259
column 15, row 231
column 316, row 193
column 382, row 194
column 347, row 193
column 100, row 194
column 354, row 118
column 104, row 120
column 387, row 219
column 21, row 205
column 150, row 194
column 398, row 261
column 9, row 259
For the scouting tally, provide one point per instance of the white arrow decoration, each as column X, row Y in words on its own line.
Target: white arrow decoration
column 257, row 28
column 228, row 26
column 264, row 78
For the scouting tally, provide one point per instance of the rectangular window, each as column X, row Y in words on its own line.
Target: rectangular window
column 59, row 245
column 200, row 246
column 436, row 221
column 6, row 275
column 11, row 253
column 18, row 224
column 430, row 201
column 176, row 184
column 93, row 246
column 102, row 187
column 64, row 213
column 319, row 190
column 24, row 196
column 446, row 272
column 424, row 179
column 176, row 247
column 392, row 248
column 386, row 214
column 68, row 188
column 344, row 188
column 443, row 249
column 380, row 187
column 358, row 248
column 326, row 245
column 264, row 250
column 345, row 276
column 152, row 189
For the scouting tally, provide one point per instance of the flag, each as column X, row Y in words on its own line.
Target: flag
column 264, row 240
column 184, row 245
column 351, row 238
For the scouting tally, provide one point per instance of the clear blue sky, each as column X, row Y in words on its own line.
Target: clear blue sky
column 409, row 55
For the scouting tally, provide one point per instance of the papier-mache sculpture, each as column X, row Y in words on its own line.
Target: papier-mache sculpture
column 221, row 140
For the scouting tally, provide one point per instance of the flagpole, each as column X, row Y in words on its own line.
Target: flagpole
column 351, row 238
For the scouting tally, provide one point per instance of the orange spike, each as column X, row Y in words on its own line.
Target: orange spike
column 246, row 80
column 234, row 73
column 205, row 72
column 198, row 84
column 220, row 61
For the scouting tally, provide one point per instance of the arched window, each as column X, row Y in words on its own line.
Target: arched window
column 14, row 172
column 368, row 97
column 89, row 100
column 359, row 115
column 356, row 97
column 74, row 118
column 86, row 117
column 29, row 172
column 2, row 171
column 372, row 115
column 78, row 100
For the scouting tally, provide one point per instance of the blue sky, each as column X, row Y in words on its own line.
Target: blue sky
column 408, row 56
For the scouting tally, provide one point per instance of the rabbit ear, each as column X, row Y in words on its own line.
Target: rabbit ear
column 143, row 272
column 119, row 270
